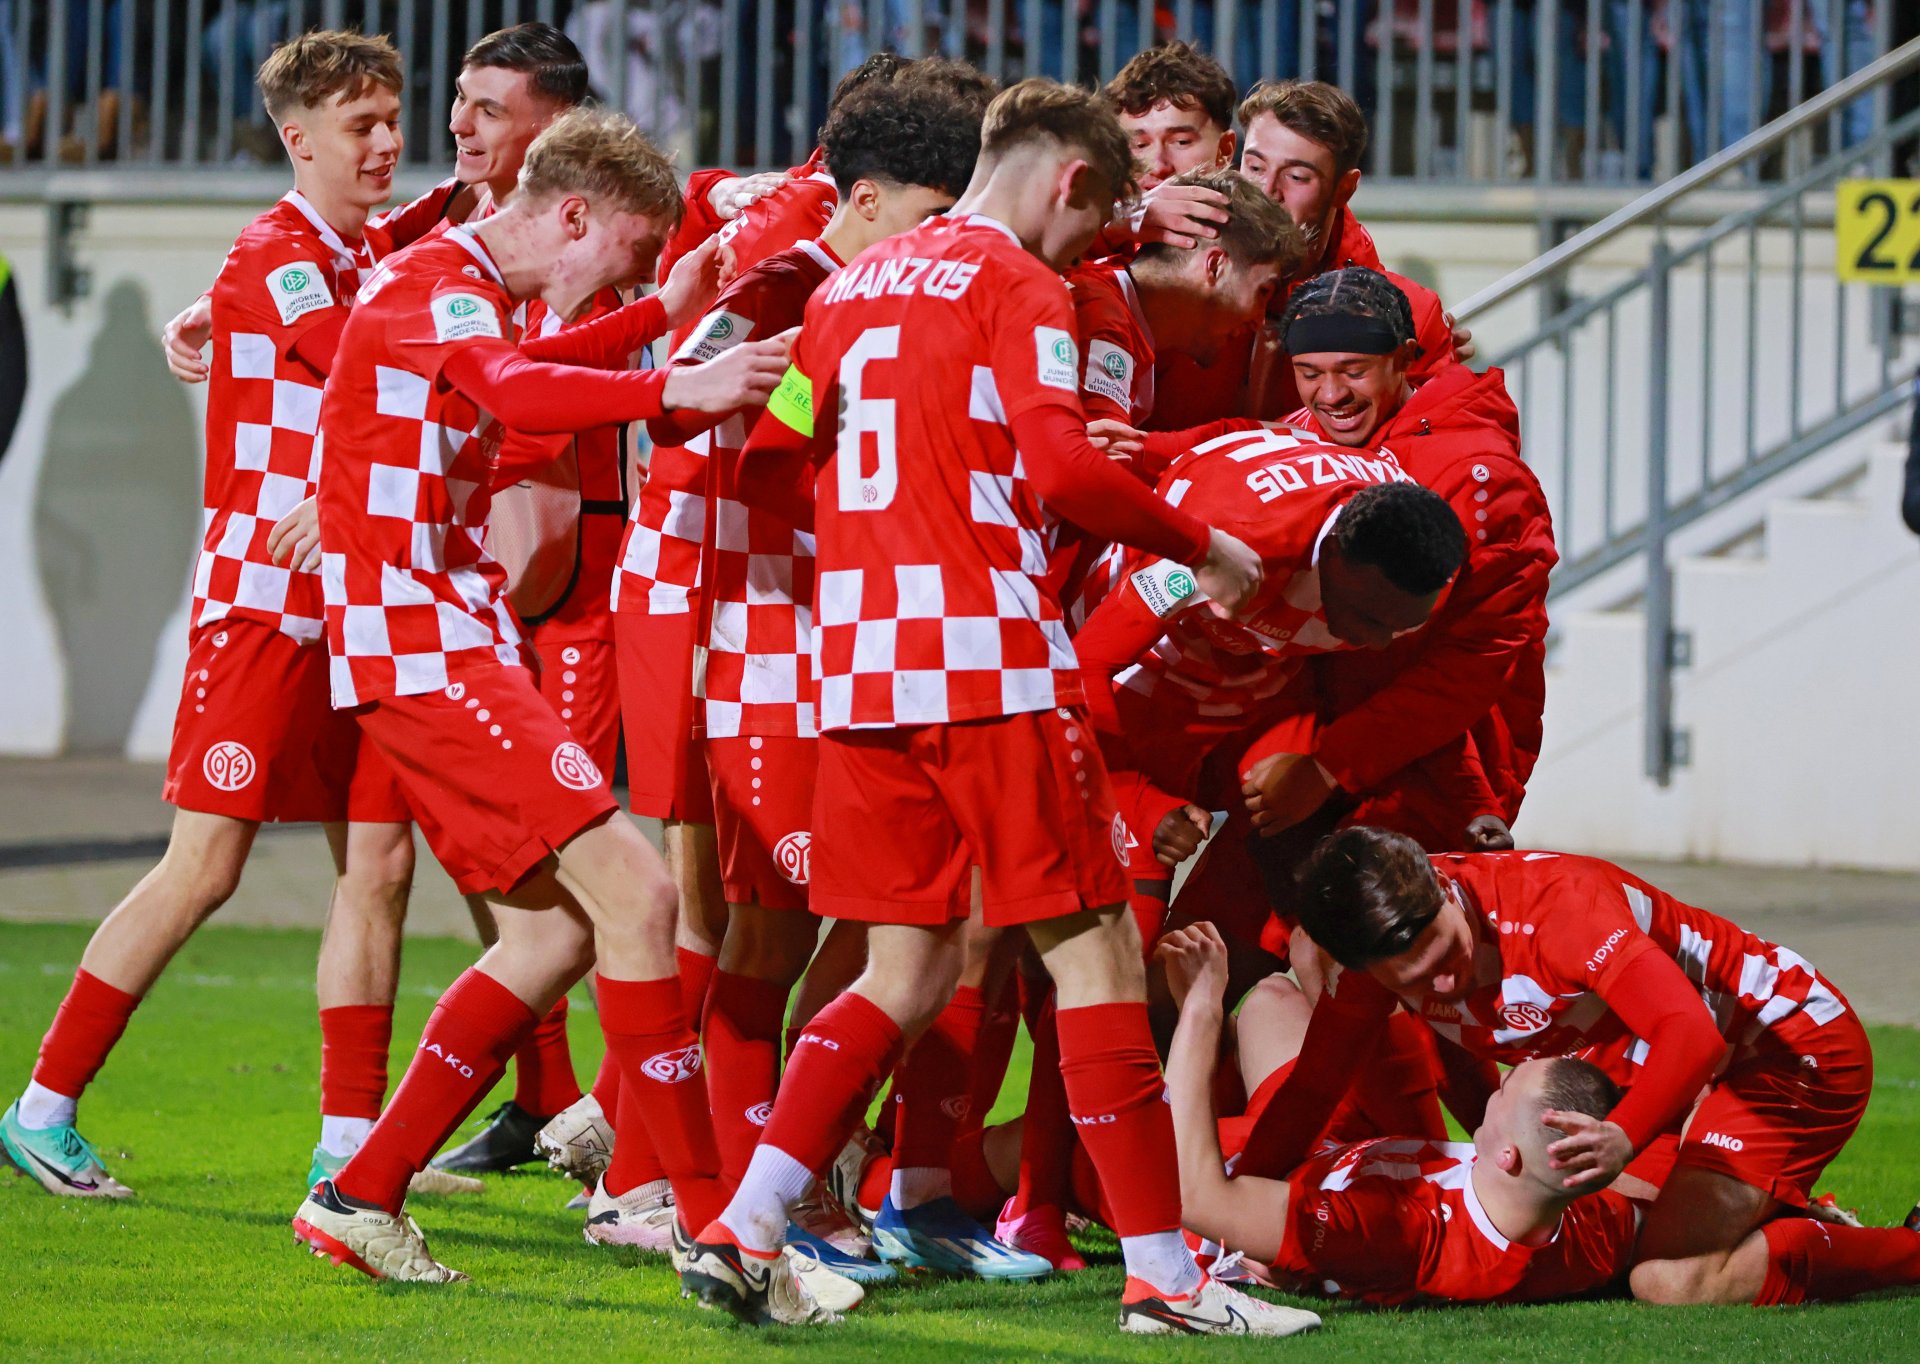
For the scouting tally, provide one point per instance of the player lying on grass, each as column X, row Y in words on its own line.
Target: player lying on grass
column 426, row 653
column 254, row 739
column 944, row 373
column 1523, row 955
column 1392, row 1219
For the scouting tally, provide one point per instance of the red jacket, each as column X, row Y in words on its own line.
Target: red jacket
column 1445, row 725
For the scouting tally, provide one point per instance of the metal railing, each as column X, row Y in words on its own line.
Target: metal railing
column 1551, row 92
column 1672, row 370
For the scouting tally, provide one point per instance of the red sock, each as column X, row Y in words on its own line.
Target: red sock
column 637, row 1163
column 1089, row 1199
column 354, row 1041
column 543, row 1082
column 1113, row 1090
column 932, row 1086
column 847, row 1050
column 464, row 1050
column 742, row 1032
column 999, row 1028
column 876, row 1181
column 1809, row 1261
column 606, row 1087
column 88, row 1024
column 1046, row 1134
column 660, row 1069
column 974, row 1187
column 696, row 977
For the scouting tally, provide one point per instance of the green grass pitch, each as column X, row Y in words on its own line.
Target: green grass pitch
column 208, row 1110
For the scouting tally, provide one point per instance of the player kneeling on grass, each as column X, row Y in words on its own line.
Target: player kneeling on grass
column 1519, row 955
column 1397, row 1218
column 426, row 655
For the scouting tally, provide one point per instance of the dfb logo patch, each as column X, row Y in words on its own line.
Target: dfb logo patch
column 574, row 769
column 671, row 1067
column 793, row 855
column 228, row 766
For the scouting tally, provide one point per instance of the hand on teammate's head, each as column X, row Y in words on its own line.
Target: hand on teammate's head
column 1180, row 215
column 694, row 282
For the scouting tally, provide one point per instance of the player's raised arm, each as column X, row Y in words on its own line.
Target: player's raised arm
column 1248, row 1212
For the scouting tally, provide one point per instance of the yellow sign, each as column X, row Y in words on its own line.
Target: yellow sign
column 1876, row 230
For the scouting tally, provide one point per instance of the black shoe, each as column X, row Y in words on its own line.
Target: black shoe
column 505, row 1142
column 1913, row 1219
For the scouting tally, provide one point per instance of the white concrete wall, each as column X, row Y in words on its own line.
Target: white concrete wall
column 108, row 451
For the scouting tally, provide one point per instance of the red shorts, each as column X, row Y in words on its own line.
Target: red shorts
column 256, row 736
column 577, row 677
column 899, row 815
column 763, row 817
column 666, row 760
column 493, row 777
column 1776, row 1120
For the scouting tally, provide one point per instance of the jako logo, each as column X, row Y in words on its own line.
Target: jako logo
column 819, row 1041
column 1100, row 1120
column 1606, row 949
column 1723, row 1141
column 792, row 855
column 1525, row 1017
column 671, row 1067
column 466, row 1071
column 228, row 766
column 759, row 1113
column 955, row 1106
column 1121, row 841
column 573, row 769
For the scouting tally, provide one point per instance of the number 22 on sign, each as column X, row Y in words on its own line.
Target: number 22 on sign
column 1876, row 229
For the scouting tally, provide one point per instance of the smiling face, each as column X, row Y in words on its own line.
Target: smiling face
column 1352, row 396
column 496, row 115
column 1171, row 139
column 1439, row 963
column 1297, row 171
column 350, row 144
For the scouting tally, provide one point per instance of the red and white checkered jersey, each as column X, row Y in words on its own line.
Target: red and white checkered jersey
column 1116, row 345
column 413, row 597
column 753, row 666
column 932, row 601
column 287, row 273
column 1281, row 492
column 1567, row 927
column 1397, row 1220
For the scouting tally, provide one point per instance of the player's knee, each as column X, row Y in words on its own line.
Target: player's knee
column 201, row 881
column 1671, row 1282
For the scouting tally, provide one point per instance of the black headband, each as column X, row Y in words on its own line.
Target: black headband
column 1342, row 334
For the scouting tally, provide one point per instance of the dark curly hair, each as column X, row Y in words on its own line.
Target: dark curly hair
column 1407, row 532
column 906, row 132
column 1179, row 73
column 1353, row 291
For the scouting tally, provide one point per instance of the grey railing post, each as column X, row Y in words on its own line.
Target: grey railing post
column 1659, row 600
